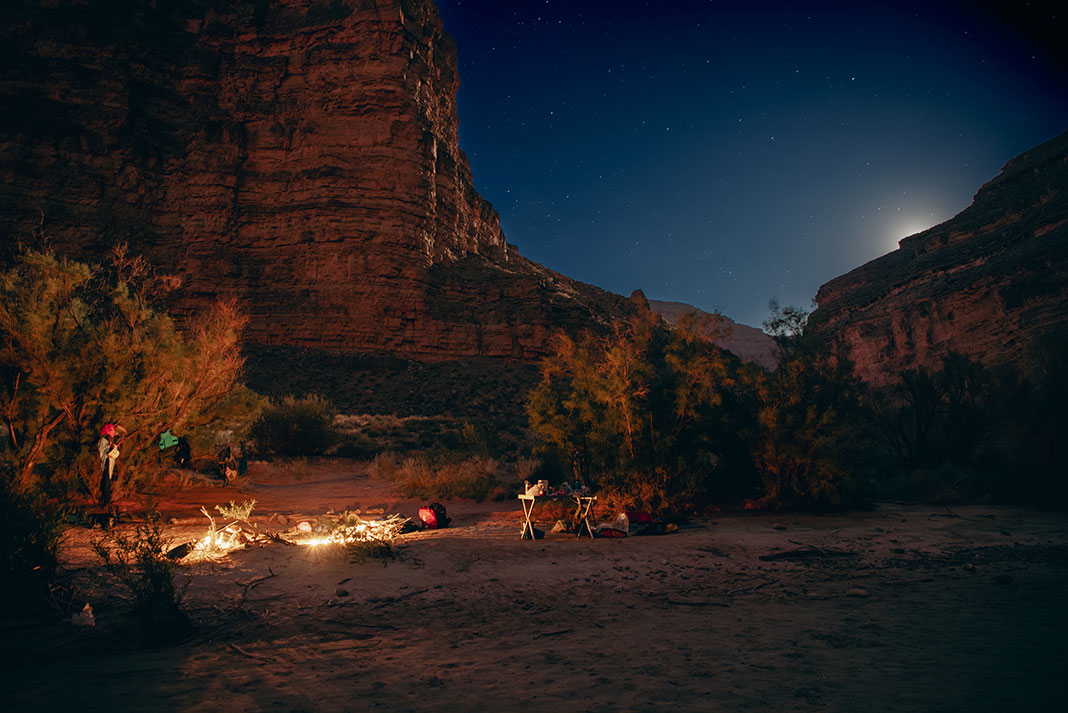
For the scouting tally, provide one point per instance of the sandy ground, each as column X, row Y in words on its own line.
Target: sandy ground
column 474, row 619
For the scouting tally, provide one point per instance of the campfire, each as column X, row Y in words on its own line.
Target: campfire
column 345, row 528
column 348, row 528
column 219, row 541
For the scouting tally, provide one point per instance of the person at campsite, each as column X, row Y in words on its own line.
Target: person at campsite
column 108, row 449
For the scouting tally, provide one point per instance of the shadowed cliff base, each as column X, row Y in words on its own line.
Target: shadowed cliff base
column 473, row 388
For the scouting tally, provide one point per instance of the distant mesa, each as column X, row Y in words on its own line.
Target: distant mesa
column 988, row 283
column 748, row 343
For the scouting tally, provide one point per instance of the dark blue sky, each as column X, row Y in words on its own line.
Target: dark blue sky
column 724, row 153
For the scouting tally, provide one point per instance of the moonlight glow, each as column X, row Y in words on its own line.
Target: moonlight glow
column 723, row 154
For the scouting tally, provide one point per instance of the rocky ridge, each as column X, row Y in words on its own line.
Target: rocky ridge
column 745, row 342
column 988, row 283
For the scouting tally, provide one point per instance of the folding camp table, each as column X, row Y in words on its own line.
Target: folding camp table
column 583, row 503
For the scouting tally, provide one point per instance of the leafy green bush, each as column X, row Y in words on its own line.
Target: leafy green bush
column 139, row 561
column 295, row 427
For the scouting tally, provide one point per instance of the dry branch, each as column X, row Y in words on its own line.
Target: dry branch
column 403, row 596
column 752, row 587
column 805, row 553
column 553, row 633
column 255, row 657
column 697, row 603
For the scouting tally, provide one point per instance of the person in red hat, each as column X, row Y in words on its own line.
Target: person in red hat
column 108, row 448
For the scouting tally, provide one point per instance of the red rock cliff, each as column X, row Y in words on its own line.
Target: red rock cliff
column 299, row 156
column 986, row 283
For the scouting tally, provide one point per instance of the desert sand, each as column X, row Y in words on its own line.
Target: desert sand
column 901, row 608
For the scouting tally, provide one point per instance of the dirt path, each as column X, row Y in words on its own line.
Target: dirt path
column 472, row 618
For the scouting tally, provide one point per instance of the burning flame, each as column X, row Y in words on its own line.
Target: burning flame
column 344, row 529
column 216, row 543
column 351, row 528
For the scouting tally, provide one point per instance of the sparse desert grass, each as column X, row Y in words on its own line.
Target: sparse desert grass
column 367, row 435
column 464, row 389
column 450, row 476
column 384, row 466
column 296, row 467
column 423, row 406
column 475, row 478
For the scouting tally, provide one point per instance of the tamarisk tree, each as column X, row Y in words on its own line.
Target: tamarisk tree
column 81, row 346
column 654, row 413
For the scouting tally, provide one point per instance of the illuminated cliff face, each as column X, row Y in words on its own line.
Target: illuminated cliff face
column 301, row 157
column 988, row 283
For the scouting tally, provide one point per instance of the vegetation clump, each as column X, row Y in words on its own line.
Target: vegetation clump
column 660, row 414
column 814, row 446
column 139, row 562
column 475, row 478
column 296, row 427
column 81, row 346
column 30, row 534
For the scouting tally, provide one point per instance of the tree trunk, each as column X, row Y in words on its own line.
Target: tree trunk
column 40, row 440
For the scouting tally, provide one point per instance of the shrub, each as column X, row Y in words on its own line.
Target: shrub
column 30, row 532
column 140, row 563
column 362, row 550
column 474, row 478
column 646, row 410
column 961, row 431
column 384, row 466
column 813, row 441
column 295, row 427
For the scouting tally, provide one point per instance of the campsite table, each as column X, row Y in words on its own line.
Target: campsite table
column 583, row 503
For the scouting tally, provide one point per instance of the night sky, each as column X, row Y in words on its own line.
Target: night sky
column 722, row 153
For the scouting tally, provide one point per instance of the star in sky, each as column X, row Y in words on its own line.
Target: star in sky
column 725, row 153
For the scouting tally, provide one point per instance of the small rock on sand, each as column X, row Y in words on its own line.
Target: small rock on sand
column 858, row 592
column 341, row 592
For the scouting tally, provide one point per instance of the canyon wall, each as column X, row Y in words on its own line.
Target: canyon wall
column 298, row 156
column 989, row 283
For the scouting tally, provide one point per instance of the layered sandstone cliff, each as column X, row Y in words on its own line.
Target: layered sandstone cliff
column 987, row 283
column 300, row 156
